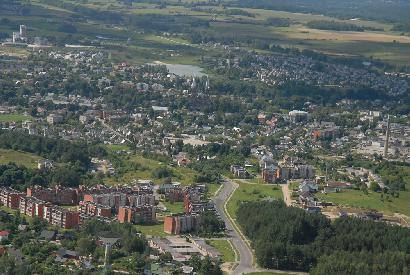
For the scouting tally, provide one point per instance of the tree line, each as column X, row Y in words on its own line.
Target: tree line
column 337, row 26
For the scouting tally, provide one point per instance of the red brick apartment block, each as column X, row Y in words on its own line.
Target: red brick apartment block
column 31, row 207
column 10, row 198
column 64, row 218
column 178, row 224
column 136, row 215
column 56, row 195
column 93, row 209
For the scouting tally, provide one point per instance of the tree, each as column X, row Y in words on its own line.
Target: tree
column 211, row 225
column 37, row 224
column 86, row 246
column 7, row 265
column 165, row 257
column 209, row 268
column 374, row 186
column 66, row 177
column 134, row 244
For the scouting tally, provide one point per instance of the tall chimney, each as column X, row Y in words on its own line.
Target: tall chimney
column 107, row 255
column 386, row 142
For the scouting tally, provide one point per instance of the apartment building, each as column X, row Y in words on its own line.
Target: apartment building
column 57, row 195
column 31, row 206
column 136, row 215
column 141, row 199
column 10, row 198
column 95, row 210
column 177, row 224
column 64, row 218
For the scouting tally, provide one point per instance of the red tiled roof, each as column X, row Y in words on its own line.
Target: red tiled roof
column 4, row 233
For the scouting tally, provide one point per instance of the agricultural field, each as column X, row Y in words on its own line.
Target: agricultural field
column 252, row 192
column 381, row 43
column 20, row 158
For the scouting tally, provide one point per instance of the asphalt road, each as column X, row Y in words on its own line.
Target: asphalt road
column 246, row 259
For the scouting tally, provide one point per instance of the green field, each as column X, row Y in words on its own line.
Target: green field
column 176, row 207
column 356, row 198
column 13, row 118
column 145, row 167
column 20, row 158
column 152, row 230
column 116, row 147
column 252, row 192
column 225, row 248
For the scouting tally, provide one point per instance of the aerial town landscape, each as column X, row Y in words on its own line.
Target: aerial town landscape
column 204, row 137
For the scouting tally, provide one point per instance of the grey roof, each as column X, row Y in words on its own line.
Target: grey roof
column 48, row 235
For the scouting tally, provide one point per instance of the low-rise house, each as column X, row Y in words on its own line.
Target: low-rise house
column 55, row 118
column 308, row 186
column 182, row 159
column 239, row 172
column 182, row 249
column 4, row 235
column 45, row 164
column 63, row 255
column 335, row 186
column 48, row 235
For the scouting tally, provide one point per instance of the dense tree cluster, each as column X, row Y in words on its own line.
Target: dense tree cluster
column 336, row 26
column 290, row 238
column 205, row 266
column 211, row 225
column 20, row 177
column 56, row 149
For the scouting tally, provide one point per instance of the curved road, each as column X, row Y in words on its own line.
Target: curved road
column 238, row 240
column 246, row 258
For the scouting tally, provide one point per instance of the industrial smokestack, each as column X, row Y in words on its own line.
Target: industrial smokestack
column 107, row 255
column 386, row 142
column 108, row 242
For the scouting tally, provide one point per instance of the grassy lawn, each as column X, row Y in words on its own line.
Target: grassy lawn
column 176, row 207
column 225, row 248
column 212, row 188
column 294, row 185
column 21, row 158
column 144, row 170
column 152, row 230
column 252, row 192
column 13, row 118
column 117, row 147
column 357, row 198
